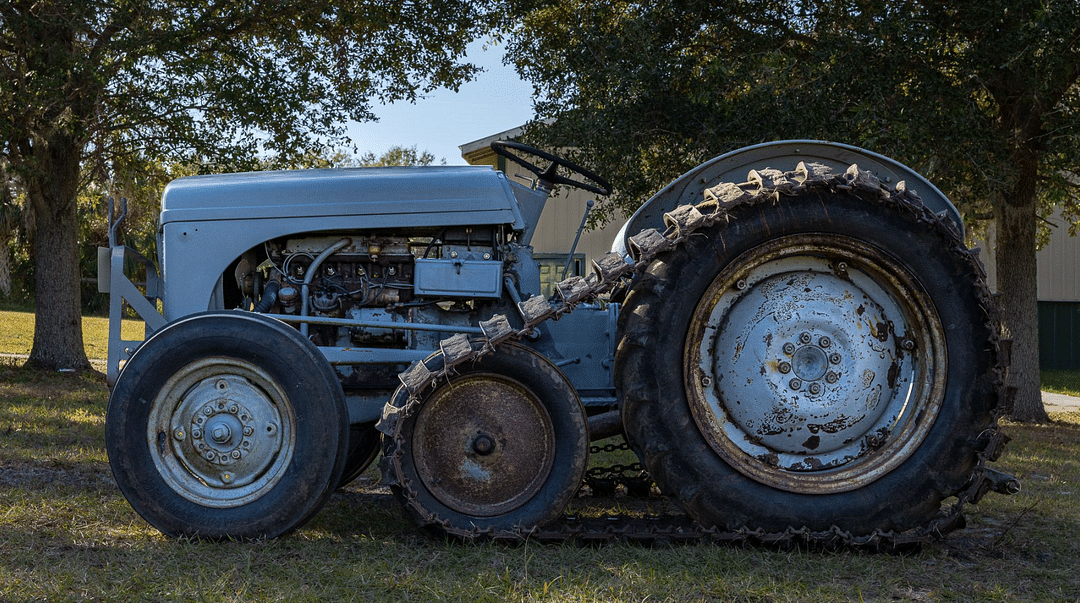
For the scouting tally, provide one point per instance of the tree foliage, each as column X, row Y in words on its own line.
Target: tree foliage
column 92, row 88
column 981, row 96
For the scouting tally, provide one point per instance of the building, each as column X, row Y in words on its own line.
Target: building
column 1059, row 295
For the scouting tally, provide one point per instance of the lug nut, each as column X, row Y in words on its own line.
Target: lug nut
column 835, row 358
column 220, row 434
column 815, row 388
column 824, row 342
column 795, row 384
column 706, row 381
column 789, row 348
column 831, row 377
column 740, row 284
column 804, row 337
column 907, row 344
column 785, row 367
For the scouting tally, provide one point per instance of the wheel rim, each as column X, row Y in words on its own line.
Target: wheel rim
column 483, row 445
column 815, row 363
column 221, row 432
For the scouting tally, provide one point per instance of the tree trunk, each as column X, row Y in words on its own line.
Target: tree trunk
column 1016, row 276
column 58, row 341
column 5, row 264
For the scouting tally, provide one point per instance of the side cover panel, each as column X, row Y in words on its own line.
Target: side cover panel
column 781, row 155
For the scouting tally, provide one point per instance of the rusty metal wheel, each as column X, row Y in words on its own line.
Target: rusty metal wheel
column 500, row 447
column 822, row 359
column 227, row 425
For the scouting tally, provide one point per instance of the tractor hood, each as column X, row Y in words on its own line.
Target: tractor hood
column 384, row 197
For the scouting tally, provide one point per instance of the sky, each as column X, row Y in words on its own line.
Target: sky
column 495, row 101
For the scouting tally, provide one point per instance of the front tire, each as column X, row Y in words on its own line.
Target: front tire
column 822, row 359
column 227, row 425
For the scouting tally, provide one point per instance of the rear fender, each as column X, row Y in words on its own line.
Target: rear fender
column 782, row 155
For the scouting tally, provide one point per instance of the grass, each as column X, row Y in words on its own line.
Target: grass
column 1061, row 382
column 67, row 534
column 17, row 333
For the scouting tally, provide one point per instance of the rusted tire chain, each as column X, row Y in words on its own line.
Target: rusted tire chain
column 763, row 186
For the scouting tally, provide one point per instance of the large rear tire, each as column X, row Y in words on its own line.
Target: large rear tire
column 820, row 360
column 227, row 425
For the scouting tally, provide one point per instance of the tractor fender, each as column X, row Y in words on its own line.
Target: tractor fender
column 782, row 155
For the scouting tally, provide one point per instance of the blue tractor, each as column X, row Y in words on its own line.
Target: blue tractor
column 791, row 337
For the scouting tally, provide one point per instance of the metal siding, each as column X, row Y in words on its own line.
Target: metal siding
column 1059, row 273
column 1059, row 335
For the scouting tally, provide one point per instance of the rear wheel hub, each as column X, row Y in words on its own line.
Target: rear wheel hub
column 811, row 363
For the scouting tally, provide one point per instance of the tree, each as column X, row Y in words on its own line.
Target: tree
column 398, row 155
column 982, row 96
column 89, row 84
column 9, row 219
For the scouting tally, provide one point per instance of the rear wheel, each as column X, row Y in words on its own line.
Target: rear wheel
column 227, row 425
column 819, row 360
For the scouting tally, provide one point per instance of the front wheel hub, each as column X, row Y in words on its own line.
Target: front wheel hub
column 221, row 432
column 821, row 379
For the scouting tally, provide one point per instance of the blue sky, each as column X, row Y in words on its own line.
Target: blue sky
column 495, row 101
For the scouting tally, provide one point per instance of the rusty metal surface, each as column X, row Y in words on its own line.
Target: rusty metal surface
column 484, row 445
column 610, row 270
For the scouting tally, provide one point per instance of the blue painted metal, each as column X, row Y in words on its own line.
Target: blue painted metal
column 209, row 221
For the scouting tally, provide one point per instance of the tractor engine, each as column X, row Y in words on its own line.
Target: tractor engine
column 374, row 277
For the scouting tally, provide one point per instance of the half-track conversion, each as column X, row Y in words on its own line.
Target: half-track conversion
column 792, row 338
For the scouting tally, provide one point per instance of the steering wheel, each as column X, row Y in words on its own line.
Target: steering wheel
column 550, row 175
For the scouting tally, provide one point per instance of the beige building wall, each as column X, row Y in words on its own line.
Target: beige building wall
column 1059, row 263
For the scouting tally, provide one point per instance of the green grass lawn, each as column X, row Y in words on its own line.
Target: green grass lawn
column 17, row 333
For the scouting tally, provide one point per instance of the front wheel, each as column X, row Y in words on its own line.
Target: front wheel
column 821, row 359
column 227, row 425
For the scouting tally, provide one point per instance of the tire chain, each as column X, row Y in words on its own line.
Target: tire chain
column 603, row 481
column 611, row 269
